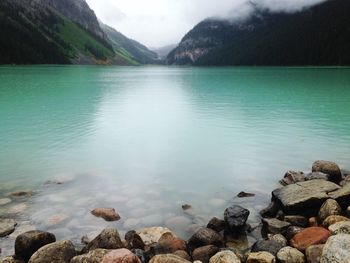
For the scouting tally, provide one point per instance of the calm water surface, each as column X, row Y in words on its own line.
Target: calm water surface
column 146, row 140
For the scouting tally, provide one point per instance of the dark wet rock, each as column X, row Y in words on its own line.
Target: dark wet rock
column 108, row 239
column 342, row 195
column 292, row 177
column 108, row 214
column 245, row 194
column 279, row 239
column 292, row 231
column 316, row 175
column 133, row 240
column 308, row 237
column 94, row 256
column 141, row 254
column 216, row 224
column 52, row 182
column 225, row 256
column 275, row 226
column 204, row 253
column 296, row 220
column 311, row 194
column 337, row 249
column 121, row 255
column 168, row 258
column 261, row 257
column 330, row 168
column 330, row 220
column 235, row 218
column 11, row 259
column 329, row 207
column 270, row 246
column 22, row 193
column 290, row 255
column 58, row 252
column 7, row 226
column 29, row 242
column 186, row 207
column 203, row 237
column 241, row 242
column 270, row 211
column 313, row 253
column 182, row 254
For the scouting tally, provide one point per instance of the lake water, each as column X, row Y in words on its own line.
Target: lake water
column 146, row 140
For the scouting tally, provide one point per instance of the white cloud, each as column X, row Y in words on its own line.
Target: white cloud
column 157, row 23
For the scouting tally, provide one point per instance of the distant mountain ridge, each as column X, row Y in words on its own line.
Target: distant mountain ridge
column 319, row 35
column 60, row 32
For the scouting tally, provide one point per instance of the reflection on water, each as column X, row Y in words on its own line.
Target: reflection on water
column 146, row 140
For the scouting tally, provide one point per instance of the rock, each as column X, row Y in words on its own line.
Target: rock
column 261, row 257
column 168, row 258
column 94, row 256
column 122, row 255
column 57, row 219
column 29, row 242
column 292, row 177
column 5, row 201
column 275, row 226
column 340, row 228
column 131, row 223
column 342, row 195
column 235, row 218
column 7, row 226
column 290, row 255
column 168, row 244
column 152, row 235
column 17, row 209
column 292, row 231
column 313, row 221
column 329, row 207
column 270, row 246
column 313, row 253
column 108, row 214
column 241, row 242
column 337, row 249
column 330, row 168
column 348, row 211
column 279, row 239
column 295, row 220
column 58, row 252
column 23, row 193
column 186, row 207
column 108, row 239
column 133, row 240
column 270, row 211
column 204, row 253
column 11, row 259
column 225, row 256
column 333, row 219
column 309, row 236
column 203, row 237
column 177, row 223
column 216, row 224
column 182, row 254
column 244, row 194
column 311, row 194
column 316, row 175
column 141, row 254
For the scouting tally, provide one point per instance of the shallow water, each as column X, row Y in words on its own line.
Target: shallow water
column 146, row 140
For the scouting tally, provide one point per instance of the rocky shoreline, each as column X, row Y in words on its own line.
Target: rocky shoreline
column 308, row 220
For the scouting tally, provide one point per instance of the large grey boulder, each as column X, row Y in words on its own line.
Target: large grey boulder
column 236, row 218
column 330, row 168
column 337, row 249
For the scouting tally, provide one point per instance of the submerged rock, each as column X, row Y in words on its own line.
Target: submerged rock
column 22, row 193
column 5, row 201
column 7, row 226
column 330, row 168
column 108, row 214
column 236, row 218
column 337, row 249
column 309, row 236
column 28, row 243
column 244, row 194
column 59, row 252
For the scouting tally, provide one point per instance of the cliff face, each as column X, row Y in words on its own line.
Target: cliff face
column 316, row 36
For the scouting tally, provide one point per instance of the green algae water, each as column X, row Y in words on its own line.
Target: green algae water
column 146, row 140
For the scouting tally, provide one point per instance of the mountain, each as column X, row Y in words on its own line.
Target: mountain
column 164, row 51
column 129, row 48
column 319, row 35
column 56, row 32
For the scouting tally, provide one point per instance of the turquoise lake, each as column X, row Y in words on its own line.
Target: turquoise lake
column 146, row 140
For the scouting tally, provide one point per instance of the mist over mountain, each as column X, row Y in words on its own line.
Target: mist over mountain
column 318, row 35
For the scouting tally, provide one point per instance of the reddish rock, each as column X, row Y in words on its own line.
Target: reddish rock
column 310, row 236
column 120, row 256
column 108, row 214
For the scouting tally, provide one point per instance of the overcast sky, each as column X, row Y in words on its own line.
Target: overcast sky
column 157, row 23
